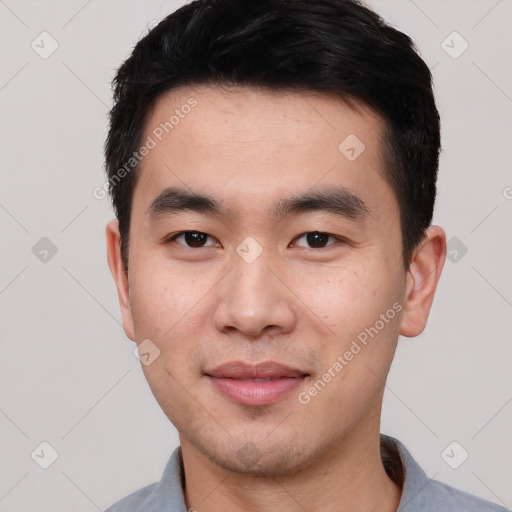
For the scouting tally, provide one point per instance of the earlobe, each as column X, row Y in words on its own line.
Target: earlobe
column 421, row 282
column 118, row 271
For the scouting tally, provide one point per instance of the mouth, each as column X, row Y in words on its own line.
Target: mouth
column 255, row 385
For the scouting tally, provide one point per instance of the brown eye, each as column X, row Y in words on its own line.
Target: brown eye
column 193, row 239
column 316, row 239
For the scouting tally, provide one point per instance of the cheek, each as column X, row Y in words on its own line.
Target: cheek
column 164, row 299
column 362, row 310
column 165, row 310
column 170, row 308
column 348, row 298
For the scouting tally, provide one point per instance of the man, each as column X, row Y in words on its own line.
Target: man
column 273, row 169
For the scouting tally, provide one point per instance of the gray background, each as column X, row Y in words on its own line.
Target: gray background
column 69, row 376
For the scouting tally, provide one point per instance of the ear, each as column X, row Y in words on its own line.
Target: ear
column 117, row 269
column 421, row 281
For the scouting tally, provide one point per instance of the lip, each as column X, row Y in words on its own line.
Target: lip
column 264, row 370
column 236, row 380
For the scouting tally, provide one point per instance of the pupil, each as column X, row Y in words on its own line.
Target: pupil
column 194, row 238
column 315, row 238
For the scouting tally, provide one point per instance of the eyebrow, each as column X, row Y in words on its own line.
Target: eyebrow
column 339, row 201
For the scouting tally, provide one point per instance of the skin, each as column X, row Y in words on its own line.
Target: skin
column 297, row 304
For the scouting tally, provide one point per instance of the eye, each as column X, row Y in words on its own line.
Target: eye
column 193, row 239
column 317, row 239
column 198, row 239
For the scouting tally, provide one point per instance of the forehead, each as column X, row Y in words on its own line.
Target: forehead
column 250, row 144
column 225, row 114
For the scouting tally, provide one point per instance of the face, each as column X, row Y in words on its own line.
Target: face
column 265, row 273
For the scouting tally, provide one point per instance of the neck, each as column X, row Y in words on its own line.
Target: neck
column 348, row 477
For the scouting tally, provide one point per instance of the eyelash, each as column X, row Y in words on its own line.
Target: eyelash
column 172, row 238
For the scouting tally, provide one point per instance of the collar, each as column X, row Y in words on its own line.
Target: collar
column 419, row 493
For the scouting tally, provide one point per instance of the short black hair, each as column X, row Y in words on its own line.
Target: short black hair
column 336, row 47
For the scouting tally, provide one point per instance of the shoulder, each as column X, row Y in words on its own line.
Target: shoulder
column 444, row 498
column 165, row 495
column 423, row 494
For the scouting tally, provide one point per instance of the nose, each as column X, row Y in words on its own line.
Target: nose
column 254, row 300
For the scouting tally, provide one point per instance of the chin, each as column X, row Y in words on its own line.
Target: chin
column 264, row 457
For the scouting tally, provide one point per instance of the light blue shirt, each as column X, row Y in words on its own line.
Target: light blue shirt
column 419, row 493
